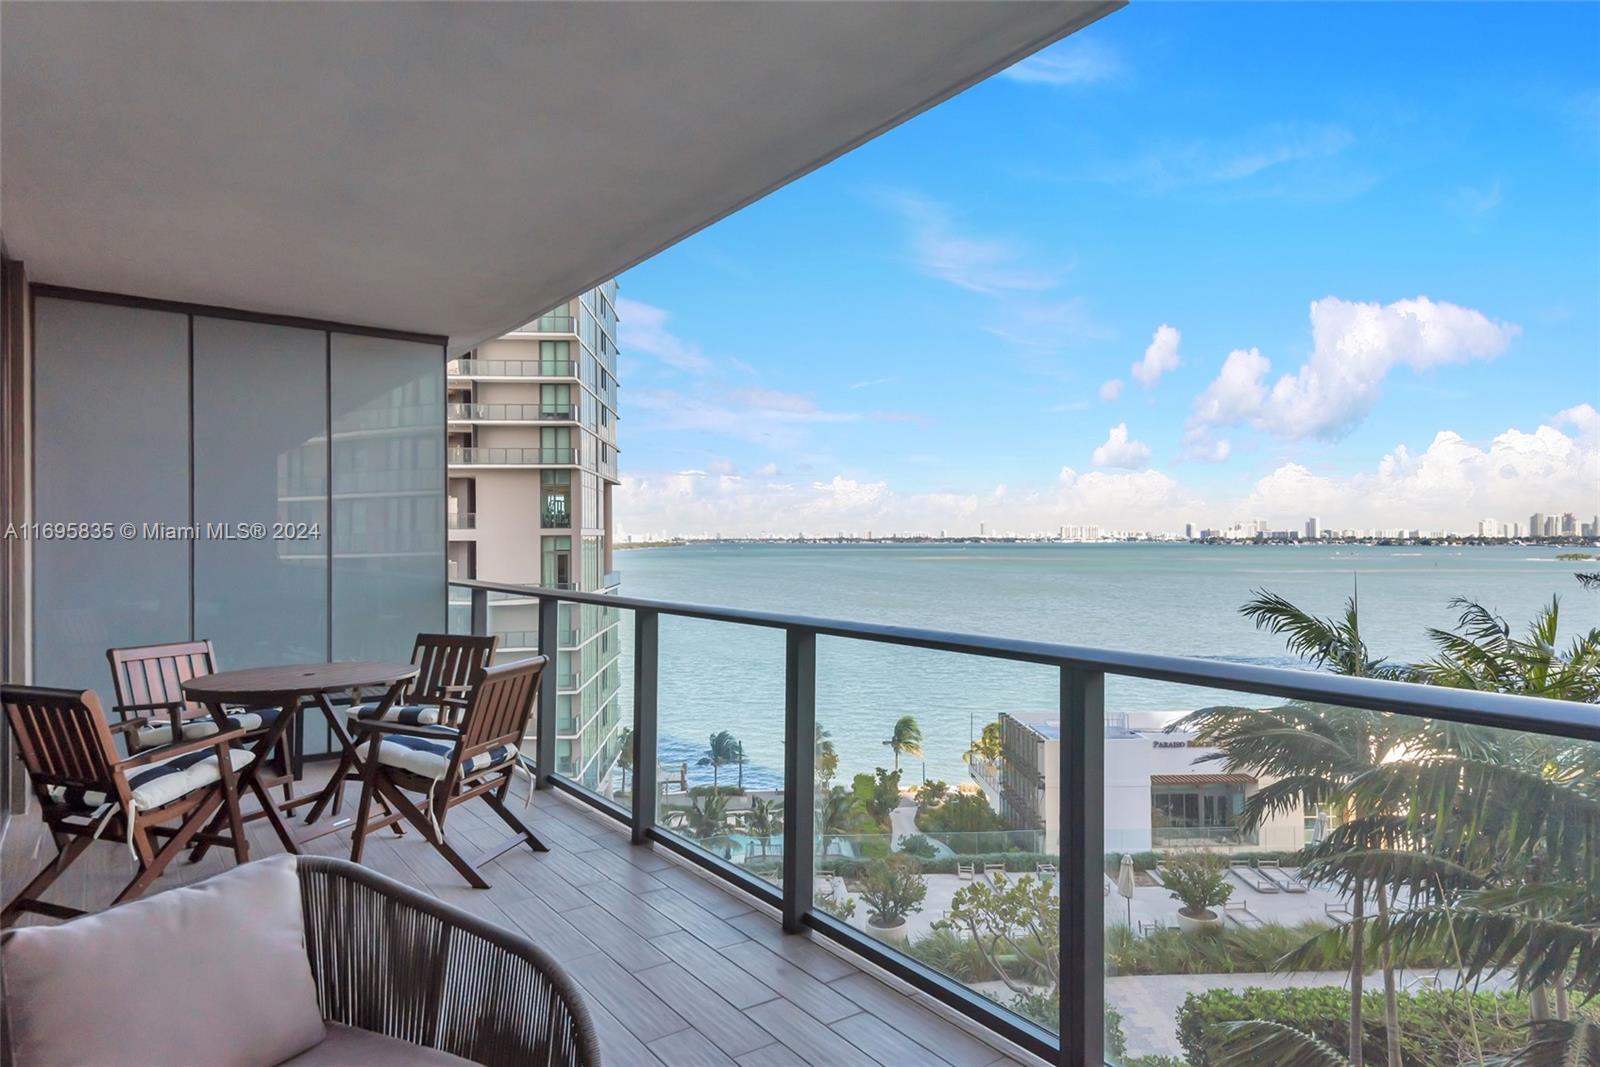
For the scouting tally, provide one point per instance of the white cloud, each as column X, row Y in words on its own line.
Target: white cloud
column 1296, row 160
column 1070, row 63
column 1474, row 202
column 1450, row 484
column 1581, row 417
column 1238, row 391
column 871, row 382
column 1111, row 390
column 1354, row 347
column 1160, row 357
column 978, row 263
column 1119, row 451
column 643, row 328
column 767, row 470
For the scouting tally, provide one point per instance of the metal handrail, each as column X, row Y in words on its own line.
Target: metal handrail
column 1080, row 805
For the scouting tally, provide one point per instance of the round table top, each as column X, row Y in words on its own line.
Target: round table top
column 255, row 683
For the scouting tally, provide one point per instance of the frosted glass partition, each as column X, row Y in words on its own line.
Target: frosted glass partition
column 111, row 445
column 261, row 469
column 388, row 495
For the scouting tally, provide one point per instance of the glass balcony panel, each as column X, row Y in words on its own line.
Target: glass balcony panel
column 721, row 715
column 910, row 847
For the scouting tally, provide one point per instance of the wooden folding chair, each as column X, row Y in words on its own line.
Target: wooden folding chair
column 446, row 665
column 148, row 680
column 450, row 766
column 86, row 790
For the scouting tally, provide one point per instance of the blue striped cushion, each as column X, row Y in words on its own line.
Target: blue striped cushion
column 159, row 783
column 409, row 714
column 431, row 758
column 160, row 731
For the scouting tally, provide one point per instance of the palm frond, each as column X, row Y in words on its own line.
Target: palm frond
column 1556, row 1043
column 1257, row 1041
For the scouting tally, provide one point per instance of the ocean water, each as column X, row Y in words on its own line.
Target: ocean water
column 1173, row 599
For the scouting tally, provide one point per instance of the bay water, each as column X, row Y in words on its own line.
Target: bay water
column 1174, row 599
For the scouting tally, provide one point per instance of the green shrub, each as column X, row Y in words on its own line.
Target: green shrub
column 1435, row 1025
column 949, row 953
column 1233, row 950
column 725, row 790
column 1198, row 880
column 917, row 845
column 961, row 813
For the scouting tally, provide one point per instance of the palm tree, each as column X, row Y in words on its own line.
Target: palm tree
column 625, row 757
column 833, row 813
column 827, row 757
column 764, row 820
column 906, row 737
column 706, row 820
column 1490, row 833
column 1313, row 752
column 741, row 766
column 722, row 748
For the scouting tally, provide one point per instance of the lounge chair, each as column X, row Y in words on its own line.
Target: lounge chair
column 1251, row 877
column 1239, row 911
column 1287, row 881
column 965, row 870
column 992, row 869
column 293, row 960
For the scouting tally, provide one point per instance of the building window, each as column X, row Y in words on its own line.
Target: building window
column 1208, row 813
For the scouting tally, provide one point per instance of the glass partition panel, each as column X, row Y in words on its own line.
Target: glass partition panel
column 111, row 446
column 1295, row 872
column 261, row 472
column 387, row 402
column 721, row 715
column 918, row 843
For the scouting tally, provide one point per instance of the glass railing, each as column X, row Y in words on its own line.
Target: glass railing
column 561, row 323
column 466, row 455
column 1203, row 835
column 512, row 412
column 555, row 518
column 461, row 520
column 1442, row 883
column 512, row 368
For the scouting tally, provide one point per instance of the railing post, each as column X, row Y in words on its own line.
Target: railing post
column 545, row 744
column 646, row 647
column 480, row 612
column 799, row 775
column 1081, row 817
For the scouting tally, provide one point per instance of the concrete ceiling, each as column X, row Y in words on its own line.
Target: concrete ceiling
column 444, row 168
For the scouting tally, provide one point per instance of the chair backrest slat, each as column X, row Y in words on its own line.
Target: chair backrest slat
column 62, row 736
column 500, row 705
column 445, row 660
column 149, row 674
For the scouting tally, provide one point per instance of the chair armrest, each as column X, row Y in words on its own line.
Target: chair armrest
column 419, row 730
column 128, row 724
column 226, row 737
column 154, row 705
column 379, row 951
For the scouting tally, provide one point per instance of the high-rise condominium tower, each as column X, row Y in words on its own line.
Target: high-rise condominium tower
column 532, row 465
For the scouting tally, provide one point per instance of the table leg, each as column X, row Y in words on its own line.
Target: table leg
column 336, row 784
column 250, row 778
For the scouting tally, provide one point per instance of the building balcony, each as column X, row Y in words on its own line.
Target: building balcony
column 512, row 369
column 511, row 412
column 555, row 323
column 461, row 520
column 472, row 456
column 552, row 518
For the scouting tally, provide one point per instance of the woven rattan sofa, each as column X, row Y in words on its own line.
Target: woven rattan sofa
column 397, row 977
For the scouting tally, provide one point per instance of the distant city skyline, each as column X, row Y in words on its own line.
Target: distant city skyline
column 1192, row 263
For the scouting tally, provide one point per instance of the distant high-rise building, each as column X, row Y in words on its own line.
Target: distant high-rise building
column 532, row 462
column 1313, row 528
column 1188, row 530
column 1488, row 528
column 1536, row 524
column 1569, row 525
column 1552, row 526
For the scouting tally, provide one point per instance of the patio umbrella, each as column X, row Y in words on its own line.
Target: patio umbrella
column 1319, row 828
column 1125, row 884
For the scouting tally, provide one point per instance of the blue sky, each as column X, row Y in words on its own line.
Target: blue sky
column 1371, row 232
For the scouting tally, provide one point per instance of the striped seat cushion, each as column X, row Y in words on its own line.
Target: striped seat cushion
column 431, row 758
column 160, row 731
column 159, row 783
column 409, row 714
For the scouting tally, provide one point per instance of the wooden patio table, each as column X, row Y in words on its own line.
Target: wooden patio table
column 289, row 687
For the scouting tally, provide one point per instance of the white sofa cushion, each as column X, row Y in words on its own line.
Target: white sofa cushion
column 214, row 974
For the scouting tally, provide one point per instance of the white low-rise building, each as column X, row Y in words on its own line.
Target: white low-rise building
column 1160, row 790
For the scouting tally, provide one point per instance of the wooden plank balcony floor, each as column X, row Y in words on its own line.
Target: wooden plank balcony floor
column 679, row 971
